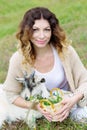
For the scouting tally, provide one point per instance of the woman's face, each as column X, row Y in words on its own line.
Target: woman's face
column 41, row 33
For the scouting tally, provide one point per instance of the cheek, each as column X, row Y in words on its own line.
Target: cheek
column 46, row 34
column 49, row 35
column 35, row 35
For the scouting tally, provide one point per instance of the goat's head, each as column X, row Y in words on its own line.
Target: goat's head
column 29, row 83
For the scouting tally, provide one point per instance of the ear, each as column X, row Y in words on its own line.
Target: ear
column 21, row 80
column 32, row 74
column 25, row 74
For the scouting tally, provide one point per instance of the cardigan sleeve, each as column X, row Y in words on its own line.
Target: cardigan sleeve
column 11, row 86
column 79, row 73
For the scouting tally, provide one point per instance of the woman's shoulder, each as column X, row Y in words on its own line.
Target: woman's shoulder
column 16, row 57
column 71, row 49
column 73, row 54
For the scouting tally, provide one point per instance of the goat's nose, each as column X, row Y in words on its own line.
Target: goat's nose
column 26, row 98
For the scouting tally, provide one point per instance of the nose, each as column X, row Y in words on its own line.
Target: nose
column 26, row 98
column 41, row 35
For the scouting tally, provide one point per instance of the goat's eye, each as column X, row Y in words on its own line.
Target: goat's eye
column 42, row 80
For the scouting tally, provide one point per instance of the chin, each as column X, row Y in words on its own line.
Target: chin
column 41, row 45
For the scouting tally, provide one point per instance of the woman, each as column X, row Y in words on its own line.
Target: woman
column 43, row 47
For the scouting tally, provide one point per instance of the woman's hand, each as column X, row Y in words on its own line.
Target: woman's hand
column 46, row 114
column 67, row 104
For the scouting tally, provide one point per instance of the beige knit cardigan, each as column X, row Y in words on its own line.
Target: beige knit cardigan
column 75, row 72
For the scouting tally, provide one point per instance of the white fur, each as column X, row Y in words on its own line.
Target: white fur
column 3, row 106
column 10, row 112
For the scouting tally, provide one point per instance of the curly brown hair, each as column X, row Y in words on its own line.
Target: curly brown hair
column 58, row 37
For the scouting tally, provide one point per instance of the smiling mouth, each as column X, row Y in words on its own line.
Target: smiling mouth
column 39, row 41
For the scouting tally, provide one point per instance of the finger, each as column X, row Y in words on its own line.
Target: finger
column 39, row 108
column 44, row 112
column 60, row 116
column 47, row 115
column 64, row 117
column 63, row 101
column 48, row 118
column 59, row 112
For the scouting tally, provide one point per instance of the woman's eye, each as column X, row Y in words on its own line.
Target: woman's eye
column 47, row 29
column 35, row 30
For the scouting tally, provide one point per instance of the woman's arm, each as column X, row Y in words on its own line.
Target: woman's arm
column 79, row 74
column 11, row 86
column 24, row 104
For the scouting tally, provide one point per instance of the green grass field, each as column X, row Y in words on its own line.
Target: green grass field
column 72, row 15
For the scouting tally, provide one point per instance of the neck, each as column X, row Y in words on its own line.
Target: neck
column 42, row 52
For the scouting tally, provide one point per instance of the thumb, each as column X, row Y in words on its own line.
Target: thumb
column 63, row 101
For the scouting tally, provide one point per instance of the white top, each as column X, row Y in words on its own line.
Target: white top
column 56, row 77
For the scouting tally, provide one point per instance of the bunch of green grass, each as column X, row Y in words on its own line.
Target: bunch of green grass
column 71, row 14
column 43, row 124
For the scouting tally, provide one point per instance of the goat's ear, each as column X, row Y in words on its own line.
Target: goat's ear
column 25, row 74
column 32, row 74
column 21, row 80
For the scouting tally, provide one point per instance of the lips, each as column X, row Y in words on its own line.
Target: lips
column 41, row 42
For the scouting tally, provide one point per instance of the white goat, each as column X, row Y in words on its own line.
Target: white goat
column 32, row 86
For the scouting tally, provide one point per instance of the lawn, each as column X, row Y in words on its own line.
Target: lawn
column 72, row 15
